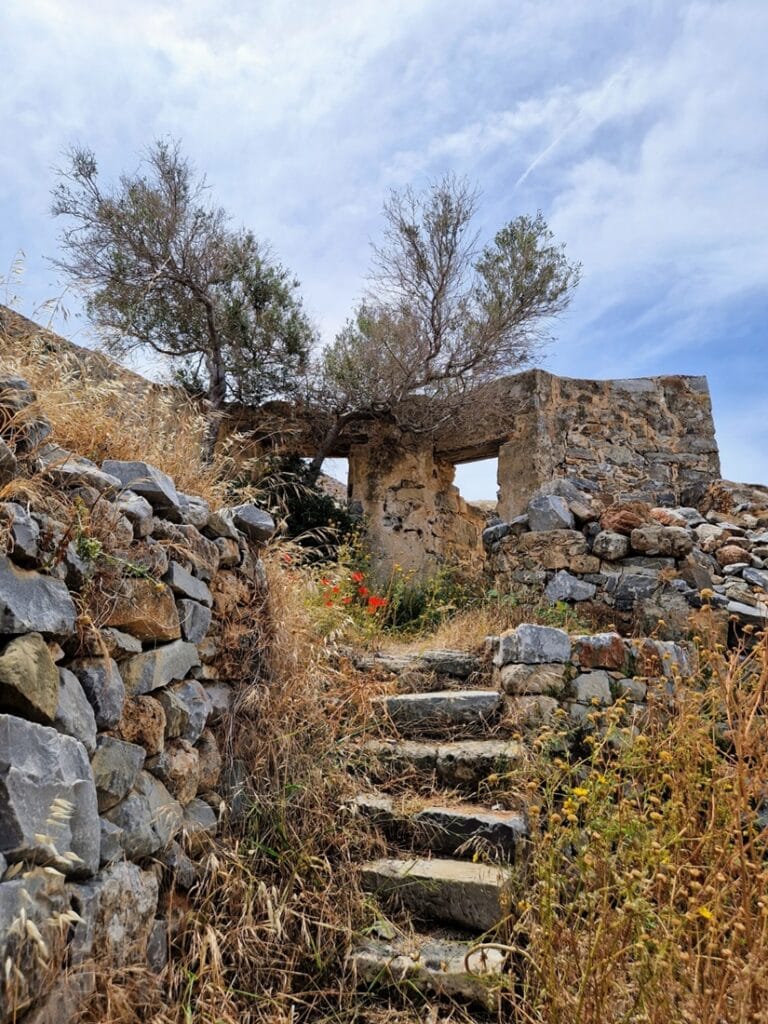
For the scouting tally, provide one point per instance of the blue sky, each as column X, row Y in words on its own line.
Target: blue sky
column 637, row 126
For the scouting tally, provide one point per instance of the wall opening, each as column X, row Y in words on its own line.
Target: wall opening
column 478, row 482
column 336, row 473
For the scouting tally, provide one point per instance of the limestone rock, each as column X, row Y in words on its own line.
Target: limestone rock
column 74, row 714
column 103, row 685
column 549, row 512
column 443, row 711
column 31, row 602
column 146, row 610
column 39, row 766
column 600, row 650
column 532, row 711
column 674, row 541
column 199, row 821
column 118, row 644
column 624, row 517
column 178, row 769
column 187, row 708
column 531, row 645
column 251, row 521
column 148, row 482
column 195, row 510
column 143, row 723
column 229, row 552
column 24, row 546
column 182, row 869
column 519, row 680
column 184, row 583
column 729, row 554
column 558, row 549
column 29, row 679
column 593, row 687
column 209, row 761
column 116, row 766
column 565, row 587
column 199, row 555
column 118, row 908
column 69, row 470
column 610, row 546
column 149, row 817
column 111, row 848
column 154, row 669
column 629, row 589
column 137, row 510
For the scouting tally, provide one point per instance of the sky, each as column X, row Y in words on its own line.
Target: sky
column 638, row 128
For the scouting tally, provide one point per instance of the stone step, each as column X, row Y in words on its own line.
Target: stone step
column 458, row 828
column 443, row 664
column 445, row 712
column 460, row 764
column 458, row 891
column 432, row 966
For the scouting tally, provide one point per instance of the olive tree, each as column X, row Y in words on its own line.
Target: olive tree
column 442, row 313
column 162, row 270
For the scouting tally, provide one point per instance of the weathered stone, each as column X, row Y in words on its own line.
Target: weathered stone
column 610, row 546
column 115, row 766
column 200, row 820
column 187, row 707
column 250, row 520
column 177, row 766
column 184, row 583
column 467, row 894
column 151, row 670
column 459, row 764
column 565, row 587
column 33, row 603
column 674, row 541
column 200, row 555
column 695, row 574
column 157, row 946
column 118, row 908
column 729, row 554
column 445, row 968
column 593, row 687
column 149, row 817
column 182, row 869
column 634, row 690
column 103, row 685
column 118, row 644
column 458, row 829
column 74, row 714
column 229, row 552
column 556, row 549
column 493, row 534
column 221, row 697
column 24, row 546
column 48, row 811
column 209, row 761
column 599, row 650
column 451, row 663
column 532, row 710
column 757, row 616
column 756, row 577
column 625, row 517
column 137, row 510
column 442, row 711
column 631, row 588
column 69, row 470
column 8, row 465
column 146, row 610
column 148, row 482
column 29, row 679
column 195, row 620
column 143, row 723
column 532, row 645
column 518, row 680
column 195, row 510
column 549, row 512
column 111, row 848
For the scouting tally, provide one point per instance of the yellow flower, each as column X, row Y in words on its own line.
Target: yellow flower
column 706, row 913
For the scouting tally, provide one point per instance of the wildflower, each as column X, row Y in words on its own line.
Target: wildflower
column 346, row 600
column 329, row 604
column 325, row 581
column 363, row 591
column 706, row 913
column 287, row 558
column 357, row 577
column 336, row 590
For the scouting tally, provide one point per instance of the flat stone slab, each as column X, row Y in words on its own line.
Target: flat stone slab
column 431, row 966
column 442, row 712
column 31, row 602
column 451, row 663
column 462, row 764
column 148, row 482
column 529, row 644
column 152, row 670
column 466, row 894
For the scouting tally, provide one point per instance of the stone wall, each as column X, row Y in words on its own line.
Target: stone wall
column 110, row 584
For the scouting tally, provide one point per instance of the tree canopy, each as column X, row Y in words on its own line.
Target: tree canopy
column 162, row 269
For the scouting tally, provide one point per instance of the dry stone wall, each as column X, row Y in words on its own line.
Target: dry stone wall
column 109, row 766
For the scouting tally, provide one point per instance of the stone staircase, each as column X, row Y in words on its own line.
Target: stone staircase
column 444, row 881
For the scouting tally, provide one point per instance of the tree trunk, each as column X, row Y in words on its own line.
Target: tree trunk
column 217, row 393
column 330, row 439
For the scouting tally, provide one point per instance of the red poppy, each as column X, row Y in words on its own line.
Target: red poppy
column 357, row 577
column 363, row 591
column 287, row 558
column 325, row 581
column 329, row 604
column 346, row 600
column 336, row 590
column 376, row 602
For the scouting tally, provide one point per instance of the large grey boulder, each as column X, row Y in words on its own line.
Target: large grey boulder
column 148, row 482
column 187, row 707
column 74, row 714
column 149, row 818
column 31, row 602
column 115, row 766
column 610, row 546
column 24, row 533
column 103, row 685
column 253, row 522
column 117, row 907
column 593, row 688
column 565, row 587
column 152, row 670
column 532, row 645
column 29, row 679
column 549, row 512
column 48, row 807
column 196, row 510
